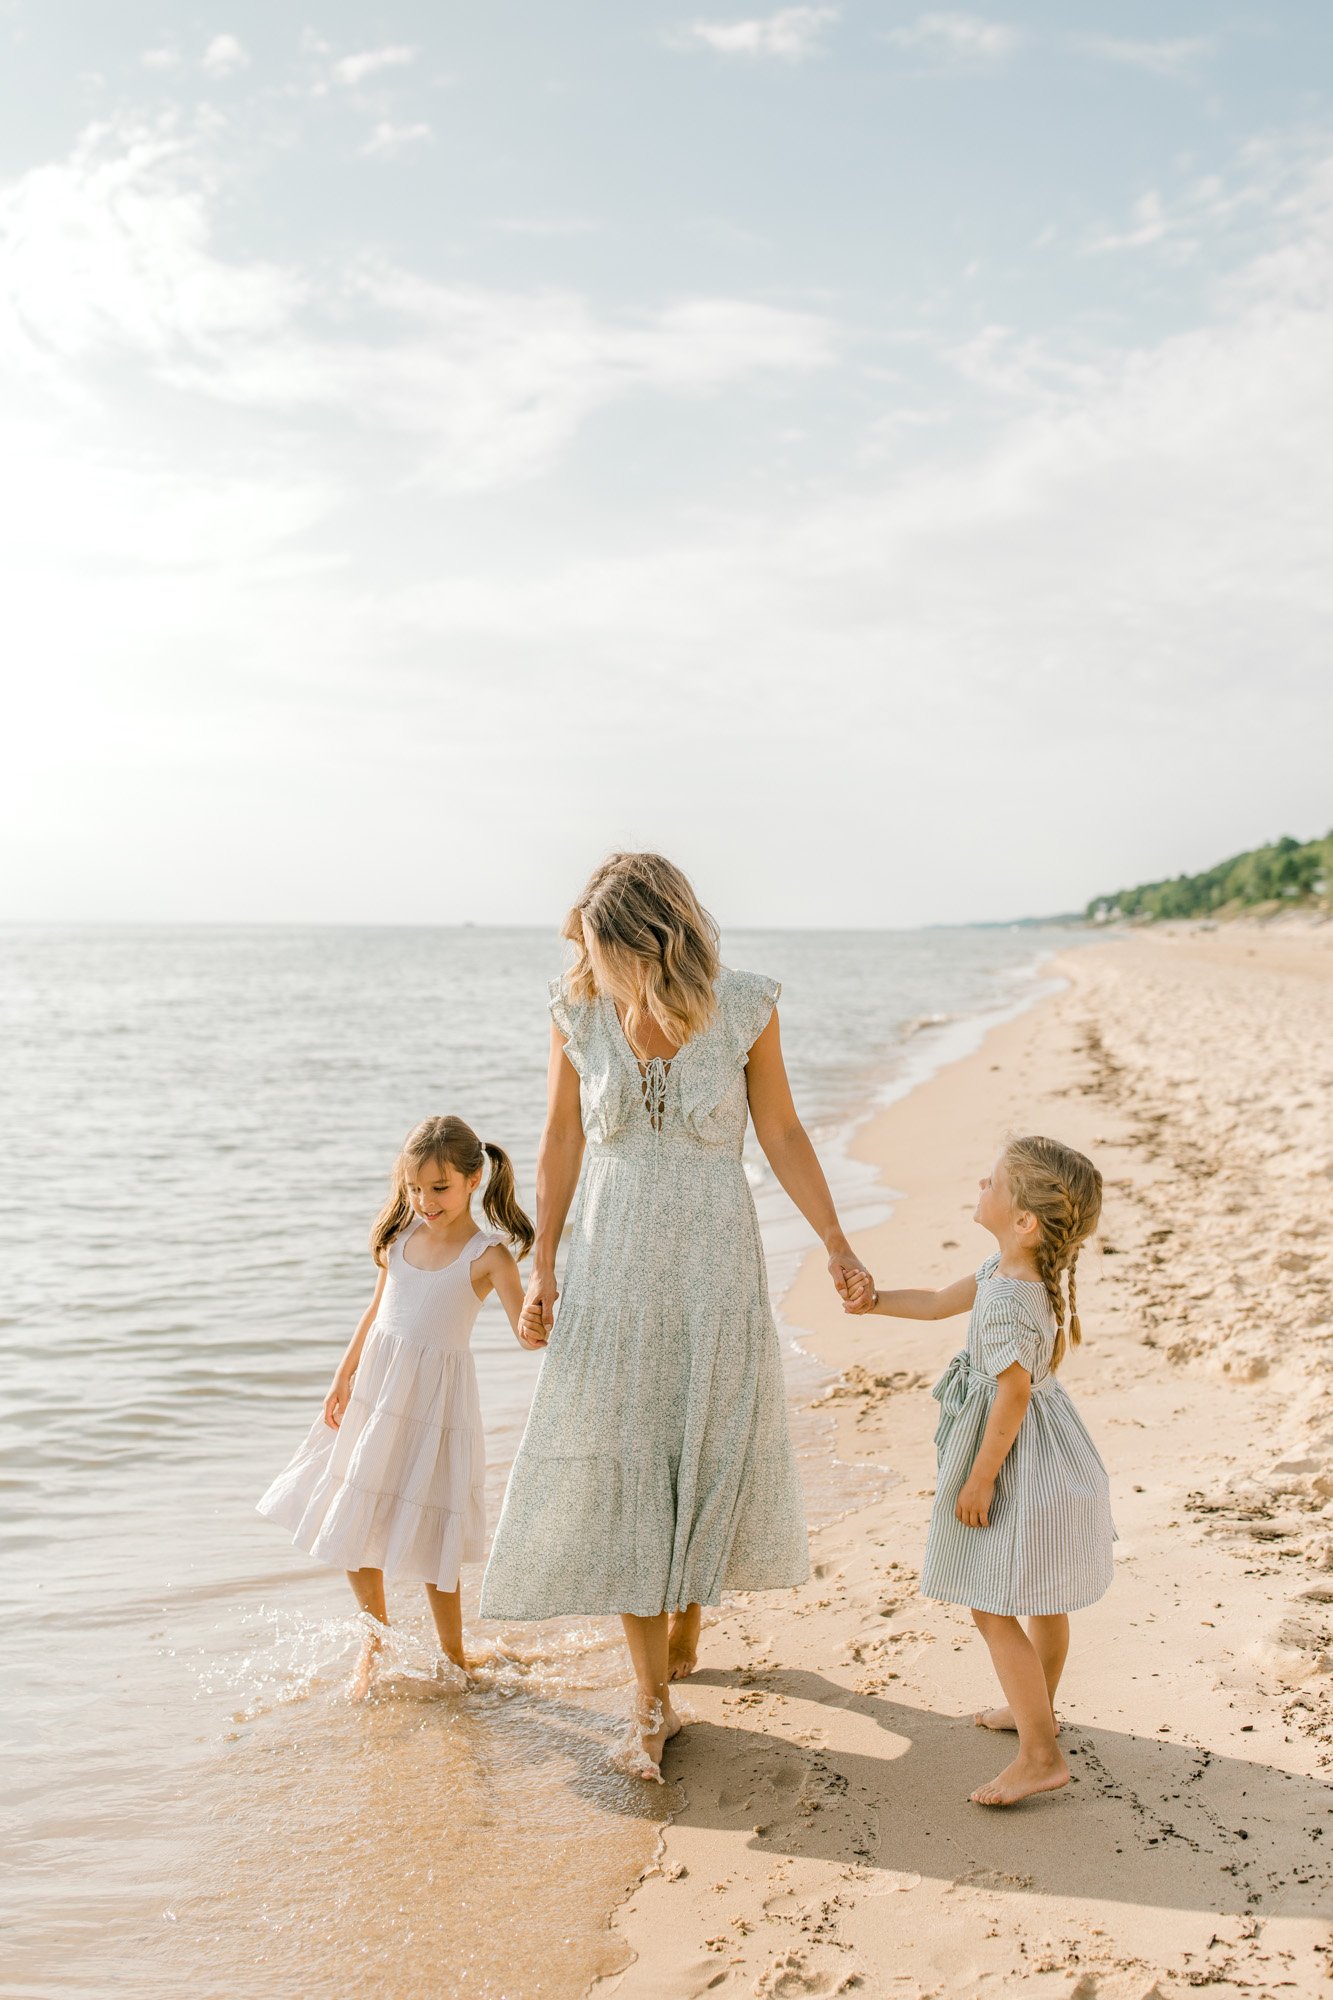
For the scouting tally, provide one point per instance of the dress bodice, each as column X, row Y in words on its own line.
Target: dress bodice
column 432, row 1308
column 697, row 1099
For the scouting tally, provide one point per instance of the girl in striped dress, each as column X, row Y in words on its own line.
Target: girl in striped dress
column 1021, row 1526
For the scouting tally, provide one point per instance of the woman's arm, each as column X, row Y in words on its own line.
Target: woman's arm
column 340, row 1394
column 1013, row 1392
column 787, row 1149
column 559, row 1157
column 950, row 1299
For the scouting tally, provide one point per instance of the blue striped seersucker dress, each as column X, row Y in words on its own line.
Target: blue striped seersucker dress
column 1048, row 1546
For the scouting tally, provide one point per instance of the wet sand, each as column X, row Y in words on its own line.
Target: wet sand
column 821, row 1839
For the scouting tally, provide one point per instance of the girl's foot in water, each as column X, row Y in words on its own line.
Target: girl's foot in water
column 1002, row 1718
column 363, row 1673
column 454, row 1672
column 683, row 1643
column 1021, row 1779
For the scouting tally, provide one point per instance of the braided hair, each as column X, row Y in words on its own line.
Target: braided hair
column 1063, row 1190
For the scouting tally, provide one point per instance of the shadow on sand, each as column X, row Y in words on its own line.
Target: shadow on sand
column 1145, row 1820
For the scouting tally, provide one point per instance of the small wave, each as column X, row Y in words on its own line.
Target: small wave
column 286, row 1657
column 920, row 1022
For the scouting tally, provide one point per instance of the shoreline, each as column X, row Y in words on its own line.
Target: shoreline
column 820, row 1839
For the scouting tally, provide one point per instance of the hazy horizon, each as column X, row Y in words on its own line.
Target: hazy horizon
column 878, row 456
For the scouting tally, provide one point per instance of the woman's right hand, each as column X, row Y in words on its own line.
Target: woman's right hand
column 538, row 1314
column 335, row 1403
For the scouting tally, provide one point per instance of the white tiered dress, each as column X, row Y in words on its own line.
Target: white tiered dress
column 400, row 1485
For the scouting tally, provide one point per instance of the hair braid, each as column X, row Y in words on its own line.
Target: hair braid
column 1063, row 1190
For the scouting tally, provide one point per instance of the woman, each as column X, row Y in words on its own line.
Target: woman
column 656, row 1470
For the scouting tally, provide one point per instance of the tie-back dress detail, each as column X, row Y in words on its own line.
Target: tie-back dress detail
column 657, row 1468
column 400, row 1486
column 1048, row 1546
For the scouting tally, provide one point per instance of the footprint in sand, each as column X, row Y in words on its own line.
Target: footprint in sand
column 792, row 1977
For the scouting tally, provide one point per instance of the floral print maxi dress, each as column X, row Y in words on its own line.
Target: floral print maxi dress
column 656, row 1469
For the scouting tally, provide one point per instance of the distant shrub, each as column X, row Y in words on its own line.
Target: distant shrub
column 1288, row 871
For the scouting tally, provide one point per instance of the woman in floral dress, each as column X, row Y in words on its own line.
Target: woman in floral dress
column 656, row 1470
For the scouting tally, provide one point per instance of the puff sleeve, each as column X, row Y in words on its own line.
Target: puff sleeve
column 1008, row 1334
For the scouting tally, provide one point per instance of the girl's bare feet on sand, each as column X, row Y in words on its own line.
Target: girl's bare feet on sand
column 1021, row 1779
column 1002, row 1718
column 683, row 1643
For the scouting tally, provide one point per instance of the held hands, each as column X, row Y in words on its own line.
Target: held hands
column 335, row 1403
column 861, row 1295
column 855, row 1286
column 538, row 1314
column 973, row 1504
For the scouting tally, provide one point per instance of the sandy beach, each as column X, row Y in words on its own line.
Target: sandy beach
column 820, row 1838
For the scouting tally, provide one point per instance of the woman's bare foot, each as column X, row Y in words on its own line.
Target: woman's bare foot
column 1021, row 1779
column 657, row 1726
column 1002, row 1718
column 651, row 1728
column 683, row 1643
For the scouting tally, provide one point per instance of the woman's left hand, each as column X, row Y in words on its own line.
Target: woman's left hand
column 854, row 1283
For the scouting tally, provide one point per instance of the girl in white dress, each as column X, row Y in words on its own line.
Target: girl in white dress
column 391, row 1478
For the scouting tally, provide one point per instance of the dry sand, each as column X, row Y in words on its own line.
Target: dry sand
column 821, row 1840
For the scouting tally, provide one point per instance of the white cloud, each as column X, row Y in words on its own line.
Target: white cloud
column 1269, row 181
column 1109, row 617
column 1167, row 57
column 224, row 56
column 1127, row 589
column 387, row 140
column 956, row 38
column 355, row 69
column 107, row 259
column 160, row 59
column 792, row 34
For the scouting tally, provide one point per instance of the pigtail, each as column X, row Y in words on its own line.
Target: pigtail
column 395, row 1215
column 500, row 1201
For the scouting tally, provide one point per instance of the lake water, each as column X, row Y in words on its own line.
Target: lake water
column 199, row 1124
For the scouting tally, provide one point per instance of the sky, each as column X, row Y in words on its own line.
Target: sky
column 881, row 457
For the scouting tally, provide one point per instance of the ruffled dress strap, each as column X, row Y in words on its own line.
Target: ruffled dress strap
column 571, row 1019
column 607, row 1093
column 747, row 1000
column 710, row 1072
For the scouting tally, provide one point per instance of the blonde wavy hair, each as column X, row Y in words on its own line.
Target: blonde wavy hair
column 654, row 942
column 1063, row 1190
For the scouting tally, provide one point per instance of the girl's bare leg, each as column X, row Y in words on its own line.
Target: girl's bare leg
column 683, row 1642
column 1039, row 1766
column 656, row 1721
column 1050, row 1639
column 446, row 1609
column 368, row 1588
